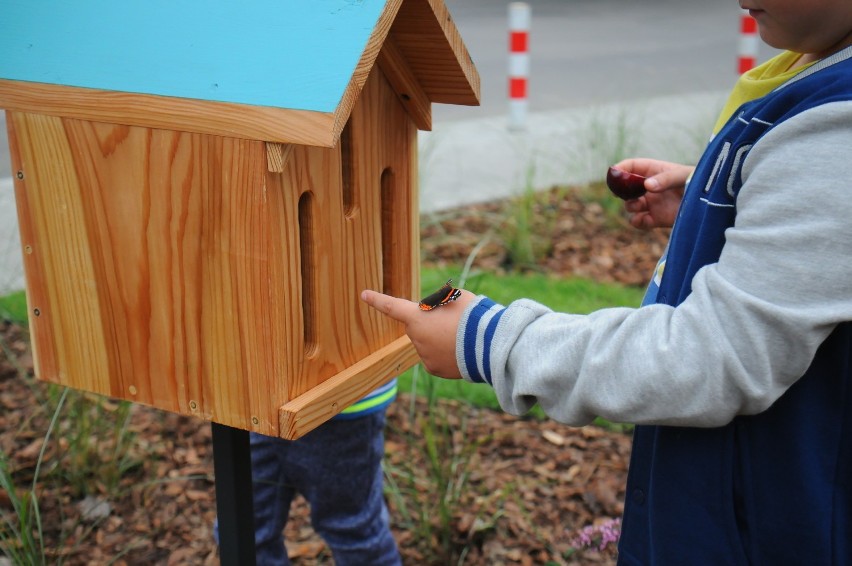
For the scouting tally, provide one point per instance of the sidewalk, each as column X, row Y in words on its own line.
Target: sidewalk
column 477, row 160
column 11, row 265
column 470, row 161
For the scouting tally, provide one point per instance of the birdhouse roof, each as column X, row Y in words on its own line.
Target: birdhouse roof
column 278, row 70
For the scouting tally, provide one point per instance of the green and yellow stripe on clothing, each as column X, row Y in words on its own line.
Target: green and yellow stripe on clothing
column 378, row 400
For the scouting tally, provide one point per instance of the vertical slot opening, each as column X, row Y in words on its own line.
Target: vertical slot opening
column 347, row 171
column 390, row 235
column 308, row 272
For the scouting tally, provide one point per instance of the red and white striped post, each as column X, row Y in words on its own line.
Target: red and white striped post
column 519, row 63
column 748, row 43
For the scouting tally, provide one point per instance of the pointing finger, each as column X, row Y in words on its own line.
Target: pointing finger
column 395, row 308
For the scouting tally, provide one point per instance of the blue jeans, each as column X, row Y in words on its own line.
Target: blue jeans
column 337, row 467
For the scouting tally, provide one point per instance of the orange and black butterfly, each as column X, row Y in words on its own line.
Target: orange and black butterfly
column 442, row 296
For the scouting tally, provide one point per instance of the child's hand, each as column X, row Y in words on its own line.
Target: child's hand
column 433, row 333
column 664, row 190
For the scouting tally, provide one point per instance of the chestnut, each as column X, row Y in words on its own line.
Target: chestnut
column 625, row 185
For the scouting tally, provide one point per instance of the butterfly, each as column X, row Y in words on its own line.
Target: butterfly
column 442, row 296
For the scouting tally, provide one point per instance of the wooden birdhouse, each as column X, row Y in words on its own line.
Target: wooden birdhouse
column 204, row 188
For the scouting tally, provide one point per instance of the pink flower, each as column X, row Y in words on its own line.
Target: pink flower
column 598, row 536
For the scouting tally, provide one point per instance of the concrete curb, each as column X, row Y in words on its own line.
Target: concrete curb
column 11, row 263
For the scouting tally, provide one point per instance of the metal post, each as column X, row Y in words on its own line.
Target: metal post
column 519, row 27
column 749, row 41
column 234, row 500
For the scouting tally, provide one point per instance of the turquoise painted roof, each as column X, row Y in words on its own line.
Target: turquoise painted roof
column 295, row 54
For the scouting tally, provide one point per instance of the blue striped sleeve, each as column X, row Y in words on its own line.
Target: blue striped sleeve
column 478, row 334
column 490, row 328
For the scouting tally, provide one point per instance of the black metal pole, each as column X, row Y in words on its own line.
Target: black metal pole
column 234, row 500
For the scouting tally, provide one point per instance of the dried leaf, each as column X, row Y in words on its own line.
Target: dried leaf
column 553, row 437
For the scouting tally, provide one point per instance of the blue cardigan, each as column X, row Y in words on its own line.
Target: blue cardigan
column 773, row 488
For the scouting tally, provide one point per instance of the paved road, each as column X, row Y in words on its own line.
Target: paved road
column 5, row 164
column 602, row 51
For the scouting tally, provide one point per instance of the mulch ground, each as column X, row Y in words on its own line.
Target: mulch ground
column 496, row 490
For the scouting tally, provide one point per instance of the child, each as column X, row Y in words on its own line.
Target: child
column 738, row 368
column 337, row 467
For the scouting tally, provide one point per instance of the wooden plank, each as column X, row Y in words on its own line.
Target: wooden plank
column 277, row 155
column 318, row 337
column 206, row 117
column 152, row 266
column 428, row 38
column 308, row 411
column 52, row 209
column 40, row 261
column 406, row 85
column 236, row 319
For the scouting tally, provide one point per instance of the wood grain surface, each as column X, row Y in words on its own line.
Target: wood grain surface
column 184, row 271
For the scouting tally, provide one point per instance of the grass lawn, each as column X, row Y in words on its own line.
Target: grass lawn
column 13, row 307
